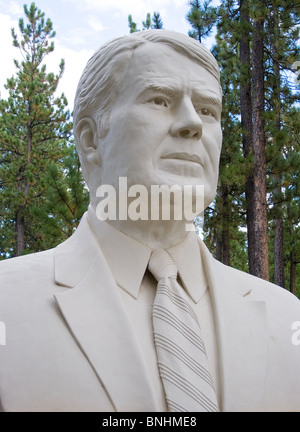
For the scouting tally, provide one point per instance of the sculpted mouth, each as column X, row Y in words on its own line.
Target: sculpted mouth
column 183, row 156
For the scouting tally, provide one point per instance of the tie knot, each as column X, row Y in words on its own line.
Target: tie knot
column 162, row 265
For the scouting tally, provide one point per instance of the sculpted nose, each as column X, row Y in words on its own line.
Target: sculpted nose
column 188, row 124
column 187, row 130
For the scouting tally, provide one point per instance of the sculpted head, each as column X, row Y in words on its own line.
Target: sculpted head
column 148, row 107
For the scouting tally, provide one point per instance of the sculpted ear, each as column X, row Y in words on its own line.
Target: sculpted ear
column 87, row 134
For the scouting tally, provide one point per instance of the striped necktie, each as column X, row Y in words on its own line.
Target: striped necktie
column 181, row 355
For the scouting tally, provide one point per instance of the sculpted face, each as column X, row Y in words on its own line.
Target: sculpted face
column 165, row 124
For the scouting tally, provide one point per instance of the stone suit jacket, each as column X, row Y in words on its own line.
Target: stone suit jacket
column 70, row 346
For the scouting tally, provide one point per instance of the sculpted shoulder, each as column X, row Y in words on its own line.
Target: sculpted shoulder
column 245, row 284
column 258, row 288
column 27, row 272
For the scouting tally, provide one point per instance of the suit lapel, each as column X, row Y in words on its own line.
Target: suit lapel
column 241, row 334
column 95, row 315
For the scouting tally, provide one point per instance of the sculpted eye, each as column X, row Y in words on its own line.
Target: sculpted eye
column 159, row 101
column 206, row 112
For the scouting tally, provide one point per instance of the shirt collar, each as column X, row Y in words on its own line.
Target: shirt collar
column 128, row 259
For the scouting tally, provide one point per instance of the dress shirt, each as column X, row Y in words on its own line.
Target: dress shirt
column 128, row 260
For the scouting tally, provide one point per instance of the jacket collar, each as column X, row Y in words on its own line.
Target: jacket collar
column 128, row 259
column 240, row 323
column 72, row 258
column 111, row 349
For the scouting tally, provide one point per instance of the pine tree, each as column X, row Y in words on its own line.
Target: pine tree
column 201, row 18
column 150, row 23
column 66, row 200
column 147, row 22
column 156, row 21
column 132, row 25
column 34, row 128
column 226, row 217
column 246, row 109
column 259, row 245
column 281, row 35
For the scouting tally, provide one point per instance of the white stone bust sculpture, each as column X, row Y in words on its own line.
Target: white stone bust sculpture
column 78, row 317
column 142, row 105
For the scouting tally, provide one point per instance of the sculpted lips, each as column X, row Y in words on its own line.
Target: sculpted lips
column 183, row 156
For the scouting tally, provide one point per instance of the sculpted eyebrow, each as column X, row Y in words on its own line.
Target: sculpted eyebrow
column 173, row 88
column 165, row 88
column 209, row 99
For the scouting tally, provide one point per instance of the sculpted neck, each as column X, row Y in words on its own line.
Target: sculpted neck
column 154, row 234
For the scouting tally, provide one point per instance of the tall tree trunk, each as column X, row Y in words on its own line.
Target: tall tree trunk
column 225, row 227
column 292, row 263
column 219, row 248
column 278, row 253
column 20, row 231
column 292, row 274
column 260, row 241
column 226, row 246
column 278, row 222
column 246, row 120
column 25, row 188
